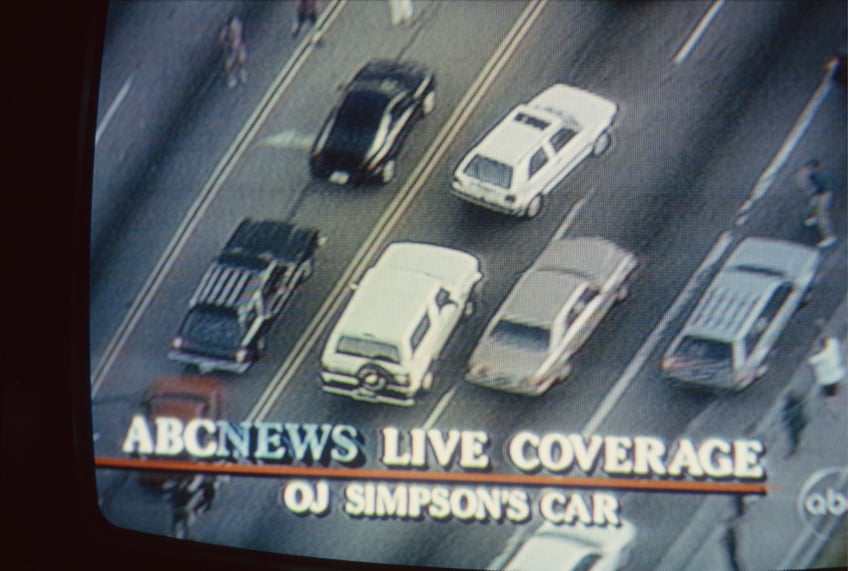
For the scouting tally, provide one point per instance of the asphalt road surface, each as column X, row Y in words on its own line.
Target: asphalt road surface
column 704, row 113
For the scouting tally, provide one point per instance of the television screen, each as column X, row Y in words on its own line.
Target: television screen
column 479, row 285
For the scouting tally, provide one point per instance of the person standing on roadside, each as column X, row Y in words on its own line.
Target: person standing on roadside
column 828, row 364
column 794, row 420
column 307, row 11
column 401, row 11
column 235, row 52
column 819, row 200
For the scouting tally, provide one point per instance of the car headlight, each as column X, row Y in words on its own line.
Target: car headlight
column 241, row 355
column 177, row 343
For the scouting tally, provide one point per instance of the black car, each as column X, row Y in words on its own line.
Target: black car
column 241, row 293
column 361, row 138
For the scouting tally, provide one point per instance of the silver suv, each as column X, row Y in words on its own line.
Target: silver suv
column 728, row 336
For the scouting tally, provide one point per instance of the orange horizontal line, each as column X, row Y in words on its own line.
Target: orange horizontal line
column 450, row 477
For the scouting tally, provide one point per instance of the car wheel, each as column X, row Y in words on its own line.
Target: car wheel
column 602, row 143
column 429, row 103
column 304, row 271
column 374, row 377
column 534, row 207
column 388, row 171
column 261, row 346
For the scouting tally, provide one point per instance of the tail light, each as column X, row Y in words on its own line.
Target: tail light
column 670, row 363
column 743, row 378
column 536, row 381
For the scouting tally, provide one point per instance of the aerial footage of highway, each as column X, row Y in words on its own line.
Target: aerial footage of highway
column 338, row 396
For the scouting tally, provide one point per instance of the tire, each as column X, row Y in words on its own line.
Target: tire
column 261, row 346
column 374, row 377
column 601, row 144
column 534, row 207
column 428, row 104
column 388, row 172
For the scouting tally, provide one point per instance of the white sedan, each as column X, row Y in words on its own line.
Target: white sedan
column 571, row 548
column 527, row 154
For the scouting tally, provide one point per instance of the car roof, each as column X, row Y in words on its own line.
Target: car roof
column 517, row 134
column 732, row 297
column 539, row 296
column 387, row 303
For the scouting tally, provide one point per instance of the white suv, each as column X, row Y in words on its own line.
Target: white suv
column 528, row 153
column 398, row 320
column 725, row 341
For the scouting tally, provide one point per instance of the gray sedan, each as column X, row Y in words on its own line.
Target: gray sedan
column 549, row 314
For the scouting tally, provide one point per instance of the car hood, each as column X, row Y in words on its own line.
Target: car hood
column 450, row 267
column 347, row 149
column 780, row 256
column 570, row 102
column 594, row 258
column 501, row 360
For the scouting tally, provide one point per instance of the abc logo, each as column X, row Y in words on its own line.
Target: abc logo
column 823, row 498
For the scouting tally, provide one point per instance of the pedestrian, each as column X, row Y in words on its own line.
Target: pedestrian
column 794, row 420
column 828, row 364
column 307, row 11
column 730, row 532
column 401, row 11
column 732, row 549
column 819, row 200
column 235, row 51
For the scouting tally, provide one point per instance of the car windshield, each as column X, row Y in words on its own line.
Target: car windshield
column 216, row 326
column 704, row 349
column 766, row 271
column 532, row 337
column 369, row 349
column 490, row 171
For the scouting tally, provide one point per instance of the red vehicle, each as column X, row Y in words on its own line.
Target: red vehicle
column 185, row 398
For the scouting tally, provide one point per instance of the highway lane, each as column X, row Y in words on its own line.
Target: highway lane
column 268, row 185
column 514, row 244
column 171, row 120
column 725, row 186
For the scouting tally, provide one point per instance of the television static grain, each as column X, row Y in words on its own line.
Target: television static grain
column 404, row 373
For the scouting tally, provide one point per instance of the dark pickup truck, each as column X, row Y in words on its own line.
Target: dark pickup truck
column 242, row 292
